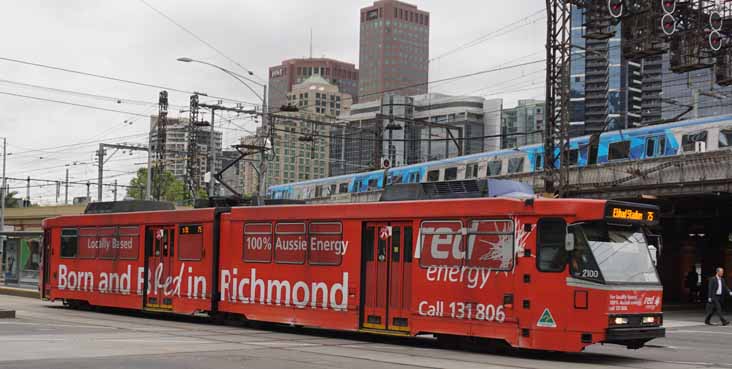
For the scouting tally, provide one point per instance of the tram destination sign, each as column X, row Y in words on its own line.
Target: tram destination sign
column 630, row 212
column 191, row 229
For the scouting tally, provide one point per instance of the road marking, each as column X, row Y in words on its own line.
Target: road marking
column 142, row 340
column 31, row 339
column 703, row 332
column 680, row 323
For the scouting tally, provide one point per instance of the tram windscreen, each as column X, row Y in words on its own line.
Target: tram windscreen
column 612, row 253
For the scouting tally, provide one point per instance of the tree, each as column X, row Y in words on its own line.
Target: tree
column 172, row 189
column 11, row 201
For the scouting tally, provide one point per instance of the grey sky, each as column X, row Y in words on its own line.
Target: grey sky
column 126, row 39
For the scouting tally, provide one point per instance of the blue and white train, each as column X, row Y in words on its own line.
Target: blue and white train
column 696, row 135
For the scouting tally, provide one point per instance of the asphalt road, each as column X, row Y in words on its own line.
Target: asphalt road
column 47, row 335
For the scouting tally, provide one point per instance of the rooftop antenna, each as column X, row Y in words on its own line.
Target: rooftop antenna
column 311, row 42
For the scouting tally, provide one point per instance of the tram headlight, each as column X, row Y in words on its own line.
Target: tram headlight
column 651, row 320
column 618, row 320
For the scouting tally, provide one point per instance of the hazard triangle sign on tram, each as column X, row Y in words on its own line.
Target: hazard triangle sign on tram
column 546, row 320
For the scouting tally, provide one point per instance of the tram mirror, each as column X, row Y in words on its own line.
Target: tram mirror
column 569, row 242
column 654, row 254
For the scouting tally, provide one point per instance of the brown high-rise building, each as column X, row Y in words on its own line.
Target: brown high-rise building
column 394, row 50
column 294, row 71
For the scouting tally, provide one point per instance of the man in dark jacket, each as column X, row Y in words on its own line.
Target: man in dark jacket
column 717, row 290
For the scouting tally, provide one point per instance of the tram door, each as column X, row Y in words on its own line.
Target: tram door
column 159, row 257
column 387, row 260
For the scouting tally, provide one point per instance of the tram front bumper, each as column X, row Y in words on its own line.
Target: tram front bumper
column 633, row 337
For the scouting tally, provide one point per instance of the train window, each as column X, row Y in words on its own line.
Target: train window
column 291, row 243
column 326, row 243
column 190, row 242
column 333, row 188
column 433, row 176
column 492, row 244
column 128, row 241
column 551, row 255
column 408, row 246
column 396, row 179
column 694, row 142
column 494, row 168
column 107, row 243
column 343, row 188
column 573, row 157
column 618, row 150
column 650, row 147
column 515, row 165
column 441, row 243
column 592, row 151
column 450, row 174
column 725, row 138
column 471, row 171
column 88, row 243
column 318, row 191
column 257, row 243
column 539, row 164
column 69, row 243
column 373, row 184
column 662, row 146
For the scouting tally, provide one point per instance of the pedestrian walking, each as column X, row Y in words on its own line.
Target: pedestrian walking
column 717, row 290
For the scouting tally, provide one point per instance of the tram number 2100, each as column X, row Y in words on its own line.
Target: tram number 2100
column 462, row 310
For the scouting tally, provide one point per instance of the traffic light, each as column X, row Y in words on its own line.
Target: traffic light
column 615, row 7
column 668, row 6
column 668, row 22
column 715, row 25
column 715, row 41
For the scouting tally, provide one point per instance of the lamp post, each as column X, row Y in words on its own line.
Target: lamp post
column 261, row 189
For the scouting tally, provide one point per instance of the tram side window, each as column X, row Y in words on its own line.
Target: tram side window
column 551, row 254
column 88, row 243
column 493, row 244
column 257, row 243
column 107, row 246
column 332, row 189
column 326, row 243
column 128, row 241
column 433, row 176
column 69, row 243
column 725, row 138
column 408, row 246
column 442, row 244
column 618, row 150
column 190, row 242
column 450, row 174
column 290, row 243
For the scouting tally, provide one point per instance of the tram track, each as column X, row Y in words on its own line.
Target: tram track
column 416, row 348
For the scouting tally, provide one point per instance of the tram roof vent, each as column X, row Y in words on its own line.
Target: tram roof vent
column 128, row 206
column 457, row 189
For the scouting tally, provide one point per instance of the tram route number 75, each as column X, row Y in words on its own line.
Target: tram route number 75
column 462, row 310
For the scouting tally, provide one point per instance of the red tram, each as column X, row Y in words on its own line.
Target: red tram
column 540, row 273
